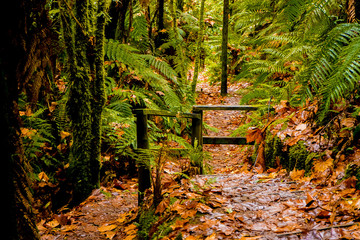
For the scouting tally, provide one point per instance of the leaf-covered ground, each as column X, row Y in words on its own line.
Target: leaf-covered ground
column 234, row 202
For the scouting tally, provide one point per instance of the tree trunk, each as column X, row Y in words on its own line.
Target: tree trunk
column 224, row 43
column 98, row 91
column 161, row 35
column 87, row 94
column 199, row 46
column 120, row 33
column 17, row 197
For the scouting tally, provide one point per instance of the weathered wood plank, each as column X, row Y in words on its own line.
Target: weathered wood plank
column 142, row 143
column 224, row 107
column 167, row 113
column 226, row 140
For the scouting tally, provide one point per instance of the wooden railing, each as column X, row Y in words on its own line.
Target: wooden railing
column 196, row 133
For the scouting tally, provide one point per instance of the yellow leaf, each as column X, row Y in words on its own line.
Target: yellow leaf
column 43, row 177
column 191, row 238
column 321, row 166
column 110, row 235
column 129, row 228
column 211, row 237
column 131, row 237
column 53, row 224
column 68, row 228
column 105, row 228
column 64, row 134
column 122, row 218
column 297, row 174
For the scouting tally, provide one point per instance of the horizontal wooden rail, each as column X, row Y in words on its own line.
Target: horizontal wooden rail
column 226, row 140
column 224, row 107
column 167, row 113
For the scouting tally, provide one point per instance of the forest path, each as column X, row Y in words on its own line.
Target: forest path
column 231, row 203
column 225, row 158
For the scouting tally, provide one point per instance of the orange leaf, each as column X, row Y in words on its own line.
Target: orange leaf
column 297, row 174
column 254, row 134
column 105, row 227
column 211, row 237
column 203, row 208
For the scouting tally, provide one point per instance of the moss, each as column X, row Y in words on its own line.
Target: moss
column 146, row 220
column 297, row 156
column 274, row 151
column 353, row 170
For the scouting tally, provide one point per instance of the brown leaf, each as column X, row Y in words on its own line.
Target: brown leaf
column 254, row 135
column 203, row 208
column 162, row 206
column 348, row 122
column 309, row 200
column 297, row 174
column 179, row 223
column 188, row 213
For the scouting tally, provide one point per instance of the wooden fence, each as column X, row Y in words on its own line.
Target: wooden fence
column 196, row 133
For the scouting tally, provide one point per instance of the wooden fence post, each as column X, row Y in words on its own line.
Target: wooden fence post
column 142, row 143
column 196, row 133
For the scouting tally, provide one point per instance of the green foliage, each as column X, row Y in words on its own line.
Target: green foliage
column 297, row 49
column 146, row 219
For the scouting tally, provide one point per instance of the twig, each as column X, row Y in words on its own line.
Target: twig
column 317, row 229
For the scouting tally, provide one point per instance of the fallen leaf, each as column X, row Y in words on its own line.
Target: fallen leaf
column 188, row 213
column 348, row 122
column 106, row 227
column 68, row 228
column 203, row 208
column 110, row 235
column 162, row 206
column 179, row 223
column 301, row 127
column 321, row 166
column 250, row 238
column 130, row 228
column 52, row 224
column 43, row 177
column 297, row 174
column 191, row 238
column 309, row 200
column 254, row 135
column 211, row 237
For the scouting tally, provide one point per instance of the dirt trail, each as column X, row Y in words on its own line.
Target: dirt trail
column 225, row 121
column 232, row 203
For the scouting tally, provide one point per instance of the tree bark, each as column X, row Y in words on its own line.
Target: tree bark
column 87, row 93
column 224, row 43
column 98, row 92
column 120, row 33
column 161, row 35
column 199, row 45
column 17, row 197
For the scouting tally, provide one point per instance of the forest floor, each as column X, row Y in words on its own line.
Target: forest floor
column 231, row 203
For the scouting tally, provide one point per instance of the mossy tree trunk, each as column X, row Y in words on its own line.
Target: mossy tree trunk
column 161, row 35
column 87, row 92
column 98, row 92
column 16, row 193
column 224, row 43
column 199, row 45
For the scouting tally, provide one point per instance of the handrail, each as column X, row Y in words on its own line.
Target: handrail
column 196, row 135
column 166, row 113
column 225, row 107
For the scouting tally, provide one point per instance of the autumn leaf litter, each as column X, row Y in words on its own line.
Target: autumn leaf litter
column 235, row 202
